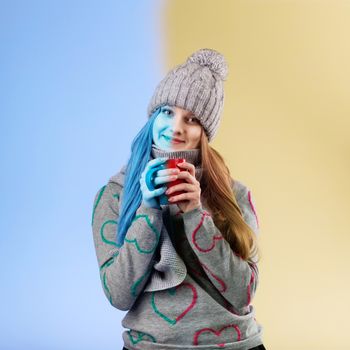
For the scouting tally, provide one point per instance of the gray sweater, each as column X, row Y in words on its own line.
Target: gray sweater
column 177, row 276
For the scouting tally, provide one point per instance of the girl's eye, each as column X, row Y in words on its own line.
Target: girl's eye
column 193, row 120
column 167, row 111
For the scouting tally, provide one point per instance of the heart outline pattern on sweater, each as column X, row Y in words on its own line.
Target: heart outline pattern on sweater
column 217, row 333
column 103, row 237
column 172, row 292
column 140, row 337
column 195, row 231
column 153, row 229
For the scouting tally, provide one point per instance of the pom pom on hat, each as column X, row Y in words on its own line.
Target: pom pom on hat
column 214, row 60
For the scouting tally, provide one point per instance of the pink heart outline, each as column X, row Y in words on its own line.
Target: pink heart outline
column 214, row 238
column 217, row 333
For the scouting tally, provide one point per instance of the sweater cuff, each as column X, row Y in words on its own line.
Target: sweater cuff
column 192, row 213
column 144, row 209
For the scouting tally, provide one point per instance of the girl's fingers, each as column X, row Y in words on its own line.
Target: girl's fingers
column 164, row 179
column 158, row 191
column 180, row 197
column 181, row 187
column 188, row 177
column 189, row 166
column 167, row 172
column 151, row 164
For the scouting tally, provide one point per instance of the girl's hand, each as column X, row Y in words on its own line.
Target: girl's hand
column 149, row 197
column 192, row 198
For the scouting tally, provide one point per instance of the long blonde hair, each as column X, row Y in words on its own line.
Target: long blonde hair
column 216, row 188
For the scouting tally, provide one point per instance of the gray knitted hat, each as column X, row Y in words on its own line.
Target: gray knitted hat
column 197, row 86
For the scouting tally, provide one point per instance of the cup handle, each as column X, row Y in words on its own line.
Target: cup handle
column 150, row 177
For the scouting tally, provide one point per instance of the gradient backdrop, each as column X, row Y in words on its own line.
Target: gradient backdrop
column 76, row 78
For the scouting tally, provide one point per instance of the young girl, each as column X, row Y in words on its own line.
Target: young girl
column 186, row 271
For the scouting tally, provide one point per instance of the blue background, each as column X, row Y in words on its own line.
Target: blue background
column 76, row 80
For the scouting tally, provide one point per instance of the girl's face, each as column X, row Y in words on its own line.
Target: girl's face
column 176, row 129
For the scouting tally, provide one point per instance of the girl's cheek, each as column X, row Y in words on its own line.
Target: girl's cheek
column 166, row 121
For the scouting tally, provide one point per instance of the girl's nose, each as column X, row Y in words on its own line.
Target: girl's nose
column 178, row 124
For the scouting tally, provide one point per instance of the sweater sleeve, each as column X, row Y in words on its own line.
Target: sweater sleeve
column 124, row 270
column 235, row 278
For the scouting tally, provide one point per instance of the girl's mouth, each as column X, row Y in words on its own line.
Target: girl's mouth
column 173, row 140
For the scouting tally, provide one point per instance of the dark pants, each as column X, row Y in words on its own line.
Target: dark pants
column 259, row 347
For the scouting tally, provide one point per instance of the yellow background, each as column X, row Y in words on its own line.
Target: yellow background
column 285, row 134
